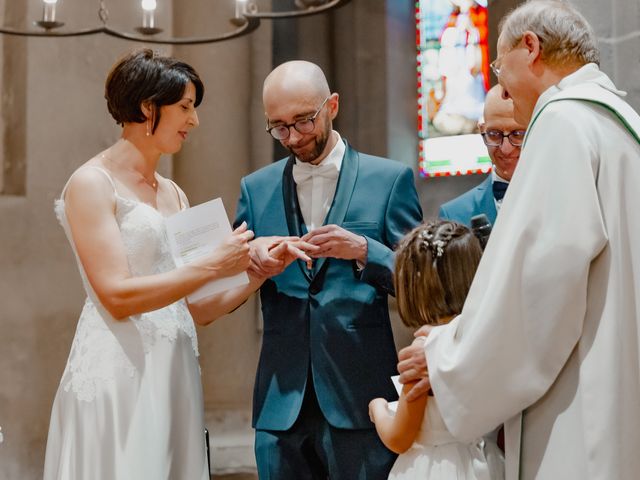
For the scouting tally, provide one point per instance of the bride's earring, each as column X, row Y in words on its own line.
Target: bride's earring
column 148, row 127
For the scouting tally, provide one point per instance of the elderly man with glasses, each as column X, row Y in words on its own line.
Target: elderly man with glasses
column 548, row 340
column 327, row 347
column 503, row 137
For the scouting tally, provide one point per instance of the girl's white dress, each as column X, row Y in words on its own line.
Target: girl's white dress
column 437, row 455
column 129, row 405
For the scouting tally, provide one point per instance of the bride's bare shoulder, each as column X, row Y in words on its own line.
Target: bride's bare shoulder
column 91, row 179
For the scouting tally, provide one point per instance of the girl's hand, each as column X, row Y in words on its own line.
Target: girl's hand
column 375, row 406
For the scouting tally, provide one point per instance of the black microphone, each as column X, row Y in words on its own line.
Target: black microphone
column 481, row 228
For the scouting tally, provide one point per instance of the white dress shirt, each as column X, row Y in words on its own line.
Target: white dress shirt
column 316, row 192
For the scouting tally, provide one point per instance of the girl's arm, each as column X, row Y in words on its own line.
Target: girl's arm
column 398, row 432
column 90, row 206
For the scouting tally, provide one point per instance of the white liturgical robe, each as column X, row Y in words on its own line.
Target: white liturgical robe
column 548, row 341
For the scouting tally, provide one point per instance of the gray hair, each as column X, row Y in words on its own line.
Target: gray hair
column 565, row 35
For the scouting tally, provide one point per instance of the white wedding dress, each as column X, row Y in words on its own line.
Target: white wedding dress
column 437, row 455
column 129, row 405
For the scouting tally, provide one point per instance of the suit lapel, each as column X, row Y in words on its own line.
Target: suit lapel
column 485, row 200
column 292, row 209
column 342, row 197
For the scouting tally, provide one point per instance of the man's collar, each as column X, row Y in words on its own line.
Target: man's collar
column 497, row 178
column 589, row 73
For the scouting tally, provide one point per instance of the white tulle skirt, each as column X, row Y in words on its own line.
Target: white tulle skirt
column 453, row 461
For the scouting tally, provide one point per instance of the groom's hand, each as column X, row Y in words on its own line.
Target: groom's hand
column 412, row 365
column 271, row 255
column 291, row 250
column 336, row 242
column 263, row 264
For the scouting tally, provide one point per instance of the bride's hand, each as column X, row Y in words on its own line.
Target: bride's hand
column 232, row 255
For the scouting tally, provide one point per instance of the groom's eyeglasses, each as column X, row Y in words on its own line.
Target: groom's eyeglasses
column 304, row 125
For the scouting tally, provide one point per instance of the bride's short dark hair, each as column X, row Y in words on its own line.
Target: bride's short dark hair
column 146, row 77
column 435, row 265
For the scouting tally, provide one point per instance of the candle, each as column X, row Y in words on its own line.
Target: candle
column 49, row 11
column 148, row 9
column 241, row 8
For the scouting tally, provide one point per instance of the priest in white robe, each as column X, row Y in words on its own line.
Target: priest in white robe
column 548, row 342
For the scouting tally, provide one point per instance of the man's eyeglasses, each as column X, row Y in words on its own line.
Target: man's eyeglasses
column 494, row 138
column 305, row 125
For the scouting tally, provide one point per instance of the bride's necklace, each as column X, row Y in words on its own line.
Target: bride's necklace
column 152, row 183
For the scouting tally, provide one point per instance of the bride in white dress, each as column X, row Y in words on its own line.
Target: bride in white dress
column 435, row 264
column 129, row 405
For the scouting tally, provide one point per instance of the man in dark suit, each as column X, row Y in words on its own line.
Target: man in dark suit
column 327, row 347
column 503, row 137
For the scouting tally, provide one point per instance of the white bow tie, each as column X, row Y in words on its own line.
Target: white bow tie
column 302, row 172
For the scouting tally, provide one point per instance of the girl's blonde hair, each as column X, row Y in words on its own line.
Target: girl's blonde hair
column 435, row 264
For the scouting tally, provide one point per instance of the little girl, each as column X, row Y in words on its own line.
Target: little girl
column 435, row 264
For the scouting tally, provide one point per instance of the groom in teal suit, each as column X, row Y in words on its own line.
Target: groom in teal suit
column 503, row 137
column 327, row 347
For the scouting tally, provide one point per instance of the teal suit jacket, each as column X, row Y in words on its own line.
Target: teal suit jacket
column 334, row 320
column 471, row 203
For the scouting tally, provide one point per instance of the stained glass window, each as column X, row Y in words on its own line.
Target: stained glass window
column 453, row 79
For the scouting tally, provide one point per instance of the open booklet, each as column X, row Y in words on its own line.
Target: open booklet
column 195, row 232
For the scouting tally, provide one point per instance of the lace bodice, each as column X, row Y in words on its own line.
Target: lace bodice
column 143, row 233
column 101, row 342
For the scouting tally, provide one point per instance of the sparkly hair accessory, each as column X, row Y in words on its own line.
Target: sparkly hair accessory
column 439, row 247
column 436, row 246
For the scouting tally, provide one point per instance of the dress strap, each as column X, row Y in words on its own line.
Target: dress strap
column 175, row 187
column 104, row 172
